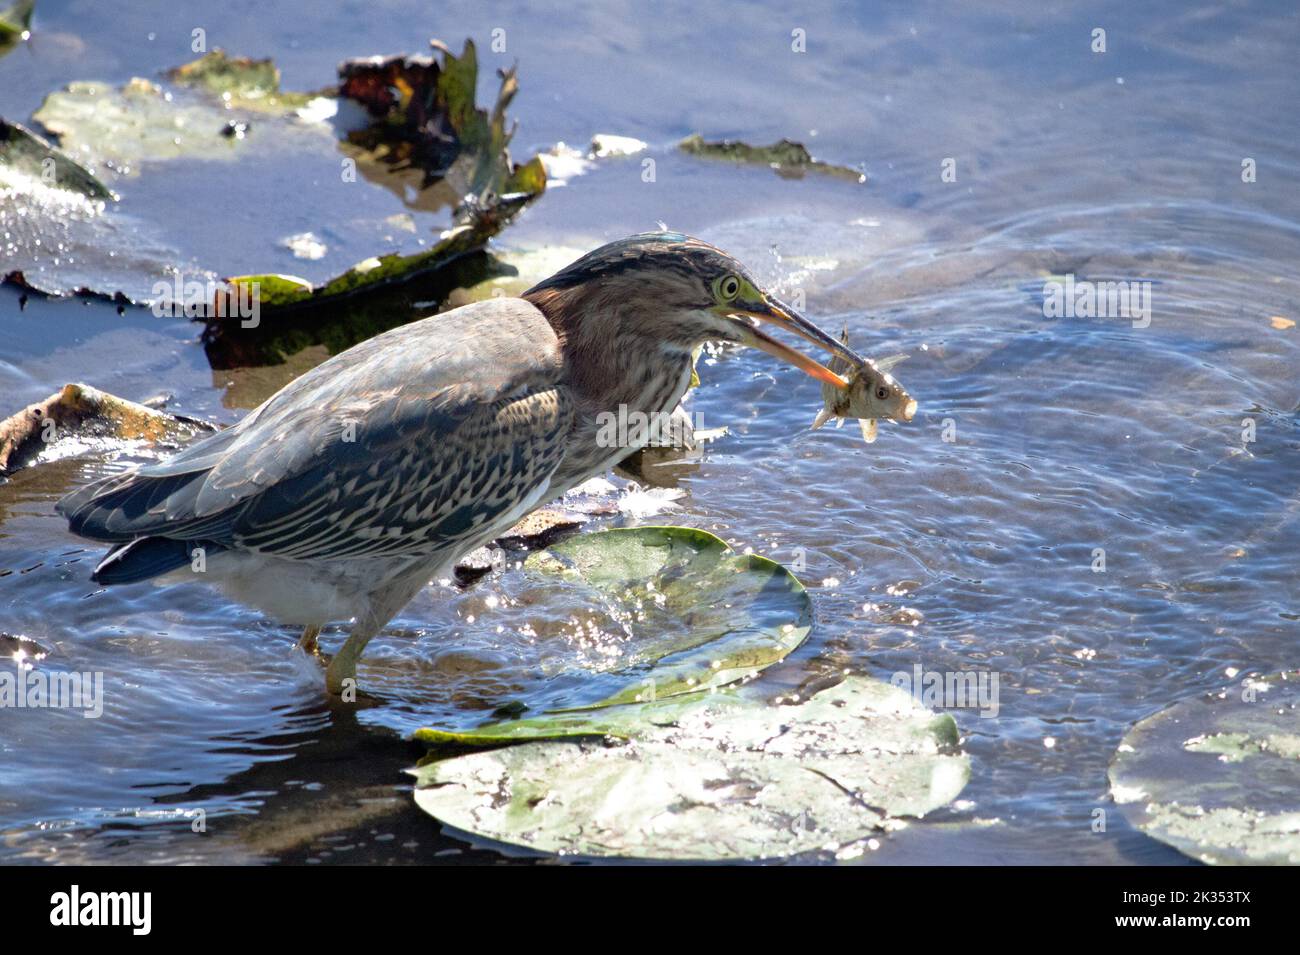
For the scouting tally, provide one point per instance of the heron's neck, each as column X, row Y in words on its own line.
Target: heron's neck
column 609, row 363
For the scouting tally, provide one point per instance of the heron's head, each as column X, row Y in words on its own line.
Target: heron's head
column 676, row 292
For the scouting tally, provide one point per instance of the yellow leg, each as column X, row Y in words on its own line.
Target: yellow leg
column 341, row 674
column 308, row 641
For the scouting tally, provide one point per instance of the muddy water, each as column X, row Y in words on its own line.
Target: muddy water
column 970, row 539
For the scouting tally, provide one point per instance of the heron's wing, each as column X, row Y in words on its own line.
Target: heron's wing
column 416, row 436
column 417, row 483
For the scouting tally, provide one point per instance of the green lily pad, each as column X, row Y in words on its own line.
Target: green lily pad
column 787, row 157
column 727, row 775
column 700, row 617
column 1218, row 776
column 738, row 613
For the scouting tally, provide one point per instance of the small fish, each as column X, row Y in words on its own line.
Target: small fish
column 872, row 393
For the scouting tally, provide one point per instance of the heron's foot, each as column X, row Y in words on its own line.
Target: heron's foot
column 307, row 643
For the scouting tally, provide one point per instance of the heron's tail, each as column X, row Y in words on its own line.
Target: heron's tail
column 147, row 557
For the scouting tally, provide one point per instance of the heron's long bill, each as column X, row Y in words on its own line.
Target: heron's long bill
column 783, row 316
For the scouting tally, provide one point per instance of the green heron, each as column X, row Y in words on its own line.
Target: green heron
column 347, row 491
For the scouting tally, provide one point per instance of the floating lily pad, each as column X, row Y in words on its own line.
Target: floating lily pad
column 1218, row 777
column 728, row 775
column 787, row 157
column 697, row 616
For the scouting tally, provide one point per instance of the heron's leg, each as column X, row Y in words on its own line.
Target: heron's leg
column 308, row 641
column 341, row 674
column 343, row 668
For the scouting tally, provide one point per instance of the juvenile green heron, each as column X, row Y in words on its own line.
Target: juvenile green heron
column 352, row 487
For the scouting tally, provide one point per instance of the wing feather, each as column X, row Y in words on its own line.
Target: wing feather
column 411, row 439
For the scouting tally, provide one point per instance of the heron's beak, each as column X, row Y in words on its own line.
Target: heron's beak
column 777, row 313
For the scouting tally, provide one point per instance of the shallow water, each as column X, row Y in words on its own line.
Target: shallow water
column 1066, row 434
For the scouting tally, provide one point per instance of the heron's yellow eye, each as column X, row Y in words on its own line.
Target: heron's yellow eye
column 729, row 287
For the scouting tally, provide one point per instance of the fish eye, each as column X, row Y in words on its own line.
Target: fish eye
column 882, row 392
column 729, row 287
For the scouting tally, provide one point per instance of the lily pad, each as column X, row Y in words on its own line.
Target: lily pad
column 787, row 157
column 698, row 616
column 1218, row 777
column 728, row 775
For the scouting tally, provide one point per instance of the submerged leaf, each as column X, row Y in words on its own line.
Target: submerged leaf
column 60, row 233
column 787, row 157
column 15, row 24
column 240, row 81
column 23, row 153
column 139, row 122
column 728, row 775
column 1218, row 777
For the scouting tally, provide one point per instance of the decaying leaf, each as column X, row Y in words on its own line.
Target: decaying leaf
column 423, row 119
column 81, row 412
column 242, row 82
